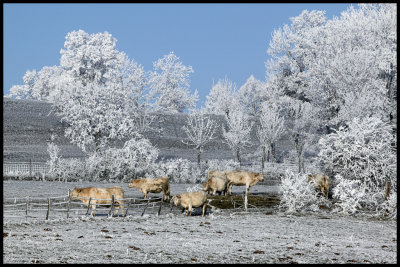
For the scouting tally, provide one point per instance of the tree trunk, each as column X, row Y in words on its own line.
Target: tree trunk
column 273, row 152
column 263, row 159
column 299, row 149
column 238, row 156
column 198, row 157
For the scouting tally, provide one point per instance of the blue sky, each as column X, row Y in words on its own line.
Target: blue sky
column 217, row 40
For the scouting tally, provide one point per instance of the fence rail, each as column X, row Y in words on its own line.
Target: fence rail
column 64, row 206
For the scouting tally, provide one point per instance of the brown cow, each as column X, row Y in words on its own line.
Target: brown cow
column 191, row 200
column 152, row 185
column 215, row 184
column 100, row 196
column 242, row 178
column 321, row 182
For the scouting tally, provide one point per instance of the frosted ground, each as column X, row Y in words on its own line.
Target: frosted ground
column 223, row 236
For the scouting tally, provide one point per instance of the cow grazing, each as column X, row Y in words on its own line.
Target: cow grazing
column 242, row 178
column 215, row 184
column 321, row 182
column 100, row 196
column 152, row 185
column 191, row 200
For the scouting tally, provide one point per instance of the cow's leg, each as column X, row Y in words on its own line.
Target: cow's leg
column 229, row 188
column 145, row 194
column 93, row 209
column 247, row 188
column 204, row 209
column 190, row 209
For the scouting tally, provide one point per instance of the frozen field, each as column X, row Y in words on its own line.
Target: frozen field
column 223, row 236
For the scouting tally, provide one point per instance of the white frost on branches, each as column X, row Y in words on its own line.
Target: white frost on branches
column 170, row 83
column 364, row 151
column 271, row 126
column 250, row 96
column 91, row 58
column 222, row 98
column 200, row 130
column 298, row 195
column 238, row 134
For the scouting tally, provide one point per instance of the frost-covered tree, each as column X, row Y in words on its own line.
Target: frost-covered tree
column 222, row 98
column 238, row 134
column 271, row 127
column 302, row 127
column 53, row 151
column 200, row 130
column 38, row 85
column 298, row 195
column 91, row 58
column 250, row 96
column 169, row 83
column 331, row 63
column 364, row 151
column 95, row 114
column 358, row 54
column 290, row 51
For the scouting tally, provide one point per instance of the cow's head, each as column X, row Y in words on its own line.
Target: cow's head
column 205, row 186
column 176, row 199
column 76, row 192
column 259, row 176
column 310, row 177
column 133, row 183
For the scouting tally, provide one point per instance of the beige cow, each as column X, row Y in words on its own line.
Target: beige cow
column 240, row 177
column 321, row 182
column 100, row 196
column 152, row 185
column 191, row 200
column 216, row 183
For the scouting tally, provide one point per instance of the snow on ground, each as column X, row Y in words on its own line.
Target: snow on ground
column 223, row 236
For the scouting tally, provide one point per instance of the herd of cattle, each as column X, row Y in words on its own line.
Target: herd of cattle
column 218, row 182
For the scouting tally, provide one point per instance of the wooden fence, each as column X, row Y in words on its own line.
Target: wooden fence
column 64, row 206
column 25, row 168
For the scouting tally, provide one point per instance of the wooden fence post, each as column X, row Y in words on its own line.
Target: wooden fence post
column 48, row 208
column 387, row 190
column 69, row 202
column 148, row 201
column 159, row 209
column 127, row 208
column 112, row 205
column 26, row 207
column 88, row 207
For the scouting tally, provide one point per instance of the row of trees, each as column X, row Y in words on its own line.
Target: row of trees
column 322, row 74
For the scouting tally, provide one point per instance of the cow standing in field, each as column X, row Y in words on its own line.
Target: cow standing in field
column 152, row 185
column 242, row 178
column 191, row 200
column 216, row 183
column 100, row 196
column 321, row 182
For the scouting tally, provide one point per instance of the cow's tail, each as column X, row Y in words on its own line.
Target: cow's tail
column 168, row 192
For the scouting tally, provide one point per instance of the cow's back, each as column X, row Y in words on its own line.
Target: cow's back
column 236, row 177
column 198, row 198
